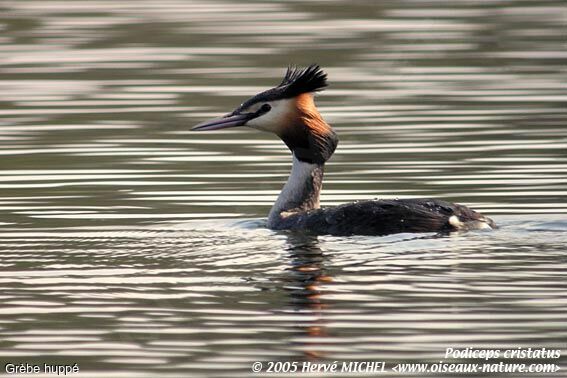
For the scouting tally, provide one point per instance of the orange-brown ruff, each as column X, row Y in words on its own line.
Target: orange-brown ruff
column 288, row 110
column 305, row 132
column 310, row 116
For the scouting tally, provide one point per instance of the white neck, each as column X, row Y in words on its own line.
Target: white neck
column 300, row 192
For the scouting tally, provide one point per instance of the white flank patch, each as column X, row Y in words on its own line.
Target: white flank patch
column 471, row 225
column 455, row 222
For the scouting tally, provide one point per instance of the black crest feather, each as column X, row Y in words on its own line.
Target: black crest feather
column 296, row 81
column 303, row 80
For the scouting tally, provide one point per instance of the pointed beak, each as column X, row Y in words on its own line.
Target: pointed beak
column 224, row 122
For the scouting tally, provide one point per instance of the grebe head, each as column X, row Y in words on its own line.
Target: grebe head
column 287, row 110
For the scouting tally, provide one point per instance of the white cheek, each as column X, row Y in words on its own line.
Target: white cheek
column 275, row 119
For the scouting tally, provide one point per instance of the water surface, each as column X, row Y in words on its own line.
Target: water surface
column 133, row 247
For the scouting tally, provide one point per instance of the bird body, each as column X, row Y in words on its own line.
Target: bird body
column 384, row 217
column 288, row 110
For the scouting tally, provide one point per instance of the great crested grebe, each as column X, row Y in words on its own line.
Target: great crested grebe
column 288, row 110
